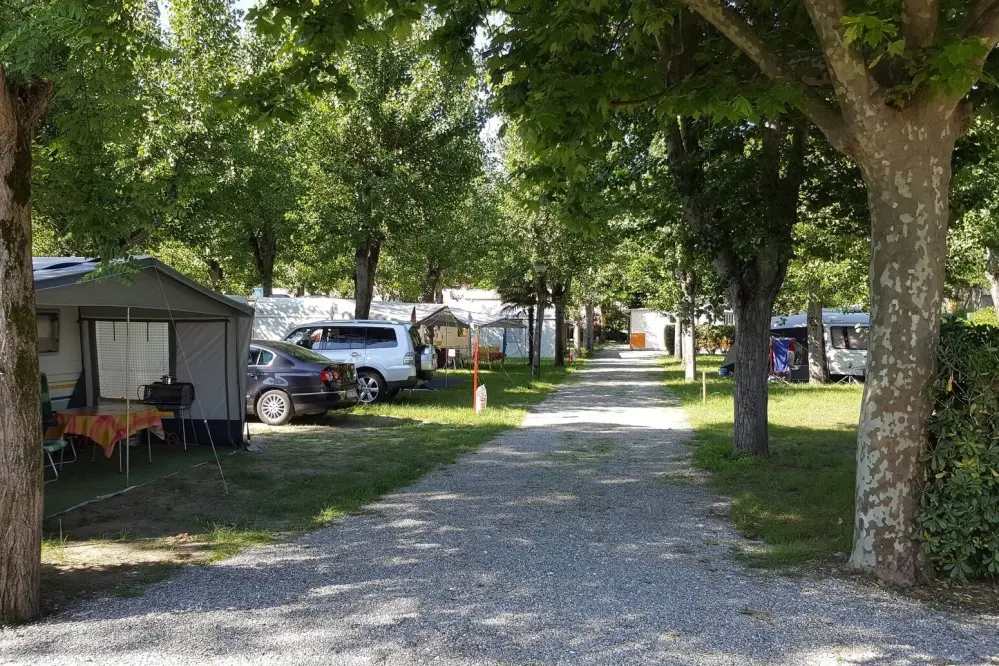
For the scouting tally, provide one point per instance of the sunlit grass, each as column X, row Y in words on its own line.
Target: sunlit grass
column 799, row 500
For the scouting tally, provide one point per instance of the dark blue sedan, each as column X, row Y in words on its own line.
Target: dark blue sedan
column 284, row 381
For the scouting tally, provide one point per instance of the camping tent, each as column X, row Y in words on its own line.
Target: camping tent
column 104, row 334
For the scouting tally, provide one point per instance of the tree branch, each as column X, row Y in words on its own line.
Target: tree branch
column 986, row 25
column 740, row 33
column 640, row 100
column 851, row 78
column 919, row 23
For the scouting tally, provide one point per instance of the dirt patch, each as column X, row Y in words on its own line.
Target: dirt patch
column 80, row 570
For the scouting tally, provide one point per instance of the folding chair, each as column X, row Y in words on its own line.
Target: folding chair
column 50, row 446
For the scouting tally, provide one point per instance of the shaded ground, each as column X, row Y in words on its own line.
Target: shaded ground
column 565, row 541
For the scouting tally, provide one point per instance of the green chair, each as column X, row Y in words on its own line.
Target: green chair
column 51, row 446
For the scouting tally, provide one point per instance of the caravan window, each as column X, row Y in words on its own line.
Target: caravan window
column 48, row 332
column 848, row 337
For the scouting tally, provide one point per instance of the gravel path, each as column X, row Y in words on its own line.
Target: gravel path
column 558, row 543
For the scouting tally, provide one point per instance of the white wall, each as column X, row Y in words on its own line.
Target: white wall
column 63, row 368
column 653, row 324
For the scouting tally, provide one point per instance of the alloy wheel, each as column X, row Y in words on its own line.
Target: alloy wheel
column 273, row 407
column 367, row 388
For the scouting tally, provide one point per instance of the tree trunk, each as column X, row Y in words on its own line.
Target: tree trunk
column 215, row 273
column 577, row 336
column 365, row 266
column 530, row 335
column 677, row 337
column 430, row 282
column 21, row 495
column 688, row 324
column 818, row 370
column 558, row 300
column 539, row 329
column 992, row 273
column 752, row 356
column 589, row 327
column 908, row 181
column 753, row 287
column 264, row 246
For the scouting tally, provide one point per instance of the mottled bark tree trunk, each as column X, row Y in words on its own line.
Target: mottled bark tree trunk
column 539, row 329
column 365, row 267
column 992, row 273
column 577, row 337
column 818, row 369
column 589, row 327
column 530, row 335
column 264, row 246
column 688, row 324
column 21, row 496
column 905, row 157
column 908, row 183
column 677, row 337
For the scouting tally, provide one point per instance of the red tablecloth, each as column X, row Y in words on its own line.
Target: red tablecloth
column 105, row 424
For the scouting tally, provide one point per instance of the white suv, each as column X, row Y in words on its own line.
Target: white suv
column 388, row 355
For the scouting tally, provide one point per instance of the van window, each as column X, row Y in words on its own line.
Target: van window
column 381, row 338
column 310, row 337
column 344, row 337
column 848, row 337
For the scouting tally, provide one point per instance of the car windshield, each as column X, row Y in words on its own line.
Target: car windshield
column 300, row 353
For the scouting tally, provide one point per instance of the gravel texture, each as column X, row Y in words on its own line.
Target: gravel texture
column 557, row 543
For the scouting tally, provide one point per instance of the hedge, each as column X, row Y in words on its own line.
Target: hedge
column 959, row 507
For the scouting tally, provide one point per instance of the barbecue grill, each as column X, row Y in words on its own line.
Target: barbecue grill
column 171, row 396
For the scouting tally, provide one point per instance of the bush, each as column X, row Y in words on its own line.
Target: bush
column 711, row 337
column 983, row 317
column 669, row 338
column 959, row 514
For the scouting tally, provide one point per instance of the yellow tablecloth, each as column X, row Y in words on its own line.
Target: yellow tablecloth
column 105, row 424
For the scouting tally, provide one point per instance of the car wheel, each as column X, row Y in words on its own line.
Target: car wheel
column 275, row 408
column 370, row 386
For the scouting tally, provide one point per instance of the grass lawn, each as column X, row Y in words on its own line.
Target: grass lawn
column 799, row 501
column 307, row 475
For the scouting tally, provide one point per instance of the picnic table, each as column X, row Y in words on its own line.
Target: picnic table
column 105, row 424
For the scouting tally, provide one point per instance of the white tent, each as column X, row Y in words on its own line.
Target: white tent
column 124, row 324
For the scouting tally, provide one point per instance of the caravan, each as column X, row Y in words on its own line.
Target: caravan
column 845, row 336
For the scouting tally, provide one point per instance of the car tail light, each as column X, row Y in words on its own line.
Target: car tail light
column 330, row 376
column 409, row 359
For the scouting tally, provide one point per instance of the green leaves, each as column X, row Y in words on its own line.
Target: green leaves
column 869, row 30
column 959, row 507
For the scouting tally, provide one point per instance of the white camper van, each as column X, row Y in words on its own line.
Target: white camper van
column 845, row 337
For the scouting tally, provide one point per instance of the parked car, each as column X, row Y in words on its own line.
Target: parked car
column 284, row 381
column 389, row 355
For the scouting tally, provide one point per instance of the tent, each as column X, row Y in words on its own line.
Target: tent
column 107, row 329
